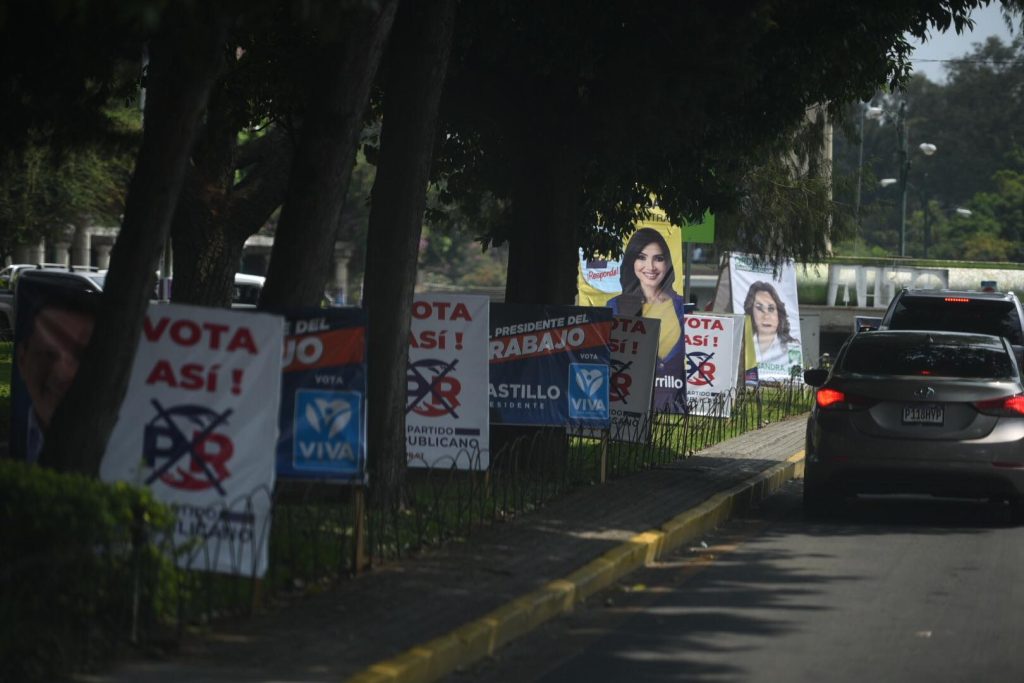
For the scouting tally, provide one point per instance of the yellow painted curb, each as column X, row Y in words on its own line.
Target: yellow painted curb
column 484, row 636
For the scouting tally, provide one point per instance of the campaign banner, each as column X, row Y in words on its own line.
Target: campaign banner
column 323, row 396
column 549, row 365
column 711, row 364
column 599, row 280
column 54, row 323
column 198, row 427
column 650, row 285
column 767, row 296
column 634, row 352
column 446, row 418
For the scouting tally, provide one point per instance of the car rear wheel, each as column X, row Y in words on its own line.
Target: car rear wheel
column 819, row 500
column 1015, row 511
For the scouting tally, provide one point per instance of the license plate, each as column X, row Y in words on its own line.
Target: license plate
column 922, row 414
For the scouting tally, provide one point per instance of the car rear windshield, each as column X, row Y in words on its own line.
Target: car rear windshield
column 878, row 354
column 980, row 316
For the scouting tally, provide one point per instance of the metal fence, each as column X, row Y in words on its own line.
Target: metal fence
column 313, row 539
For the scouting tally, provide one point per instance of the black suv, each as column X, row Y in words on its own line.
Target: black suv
column 997, row 313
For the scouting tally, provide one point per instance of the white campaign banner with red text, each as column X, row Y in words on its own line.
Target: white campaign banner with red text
column 634, row 352
column 446, row 408
column 198, row 428
column 711, row 363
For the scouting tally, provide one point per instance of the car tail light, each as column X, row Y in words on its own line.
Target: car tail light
column 1007, row 406
column 829, row 397
column 833, row 399
column 956, row 300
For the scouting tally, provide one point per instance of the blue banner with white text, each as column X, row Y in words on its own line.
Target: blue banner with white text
column 323, row 396
column 549, row 365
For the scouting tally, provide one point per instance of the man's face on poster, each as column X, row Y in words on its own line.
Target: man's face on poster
column 48, row 358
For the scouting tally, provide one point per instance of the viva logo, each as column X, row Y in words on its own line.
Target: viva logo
column 328, row 435
column 588, row 392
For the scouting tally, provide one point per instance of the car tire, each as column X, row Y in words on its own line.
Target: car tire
column 1015, row 514
column 819, row 500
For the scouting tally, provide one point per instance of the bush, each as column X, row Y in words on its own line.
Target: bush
column 79, row 574
column 6, row 350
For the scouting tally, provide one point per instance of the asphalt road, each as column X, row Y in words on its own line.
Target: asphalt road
column 891, row 590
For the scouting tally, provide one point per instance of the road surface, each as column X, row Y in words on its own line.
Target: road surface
column 892, row 590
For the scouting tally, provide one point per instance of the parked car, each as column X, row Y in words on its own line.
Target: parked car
column 997, row 313
column 78, row 276
column 246, row 292
column 938, row 413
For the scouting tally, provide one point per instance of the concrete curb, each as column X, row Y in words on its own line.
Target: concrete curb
column 483, row 637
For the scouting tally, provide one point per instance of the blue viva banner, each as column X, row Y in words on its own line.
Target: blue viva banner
column 549, row 365
column 323, row 389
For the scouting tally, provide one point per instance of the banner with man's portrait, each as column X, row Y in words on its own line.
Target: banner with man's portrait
column 198, row 428
column 54, row 323
column 549, row 365
column 768, row 297
column 446, row 414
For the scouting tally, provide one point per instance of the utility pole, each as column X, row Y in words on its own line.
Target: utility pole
column 904, row 160
column 860, row 172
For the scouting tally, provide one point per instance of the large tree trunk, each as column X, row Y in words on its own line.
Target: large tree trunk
column 416, row 66
column 543, row 248
column 322, row 166
column 184, row 58
column 215, row 215
column 542, row 259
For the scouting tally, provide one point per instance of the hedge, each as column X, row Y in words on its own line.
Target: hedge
column 79, row 571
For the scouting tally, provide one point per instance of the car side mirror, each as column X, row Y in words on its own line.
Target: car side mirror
column 815, row 377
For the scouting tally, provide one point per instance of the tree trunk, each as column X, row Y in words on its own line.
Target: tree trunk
column 543, row 248
column 322, row 167
column 215, row 216
column 416, row 66
column 184, row 58
column 542, row 259
column 206, row 256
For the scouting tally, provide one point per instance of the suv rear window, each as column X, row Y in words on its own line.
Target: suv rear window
column 935, row 313
column 874, row 353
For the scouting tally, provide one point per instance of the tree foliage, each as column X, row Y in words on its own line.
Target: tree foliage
column 975, row 122
column 598, row 114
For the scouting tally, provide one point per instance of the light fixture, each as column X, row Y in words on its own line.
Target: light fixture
column 961, row 211
column 886, row 182
column 927, row 148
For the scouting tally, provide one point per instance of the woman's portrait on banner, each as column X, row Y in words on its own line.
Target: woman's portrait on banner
column 777, row 350
column 766, row 294
column 646, row 276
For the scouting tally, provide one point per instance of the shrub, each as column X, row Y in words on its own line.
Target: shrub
column 78, row 571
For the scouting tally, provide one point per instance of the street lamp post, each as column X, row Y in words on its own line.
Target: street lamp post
column 867, row 111
column 901, row 132
column 926, row 148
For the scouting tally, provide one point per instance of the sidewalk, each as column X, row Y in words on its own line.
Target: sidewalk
column 338, row 634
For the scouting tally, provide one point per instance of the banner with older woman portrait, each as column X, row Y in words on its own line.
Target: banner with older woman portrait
column 767, row 296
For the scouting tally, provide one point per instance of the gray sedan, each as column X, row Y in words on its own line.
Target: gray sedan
column 938, row 413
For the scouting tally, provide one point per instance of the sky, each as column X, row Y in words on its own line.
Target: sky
column 928, row 56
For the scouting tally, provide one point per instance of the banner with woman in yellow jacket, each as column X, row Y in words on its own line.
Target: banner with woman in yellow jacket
column 644, row 283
